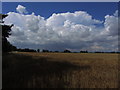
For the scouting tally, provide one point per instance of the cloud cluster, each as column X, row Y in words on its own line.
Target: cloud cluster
column 75, row 31
column 21, row 9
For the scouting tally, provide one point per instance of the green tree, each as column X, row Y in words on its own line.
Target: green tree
column 6, row 46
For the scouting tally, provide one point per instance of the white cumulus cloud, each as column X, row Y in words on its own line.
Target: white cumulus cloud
column 21, row 9
column 74, row 31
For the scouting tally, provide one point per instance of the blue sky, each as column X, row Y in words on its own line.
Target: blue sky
column 97, row 9
column 75, row 30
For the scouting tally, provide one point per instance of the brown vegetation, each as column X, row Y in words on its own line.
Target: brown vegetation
column 60, row 70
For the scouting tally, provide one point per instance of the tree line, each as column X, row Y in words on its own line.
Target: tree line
column 6, row 29
column 64, row 51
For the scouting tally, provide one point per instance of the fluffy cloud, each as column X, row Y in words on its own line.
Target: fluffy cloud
column 78, row 17
column 111, row 24
column 74, row 31
column 21, row 9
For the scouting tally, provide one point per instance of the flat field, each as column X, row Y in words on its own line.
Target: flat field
column 60, row 70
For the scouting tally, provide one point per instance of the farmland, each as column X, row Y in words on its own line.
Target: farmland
column 60, row 70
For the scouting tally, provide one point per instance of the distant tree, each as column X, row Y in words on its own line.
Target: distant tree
column 113, row 52
column 6, row 46
column 67, row 51
column 45, row 50
column 56, row 51
column 26, row 50
column 38, row 50
column 50, row 51
column 83, row 51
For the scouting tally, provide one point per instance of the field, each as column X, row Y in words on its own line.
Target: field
column 60, row 70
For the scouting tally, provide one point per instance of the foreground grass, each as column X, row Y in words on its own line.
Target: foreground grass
column 60, row 70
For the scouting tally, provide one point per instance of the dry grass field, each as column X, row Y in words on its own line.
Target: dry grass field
column 60, row 70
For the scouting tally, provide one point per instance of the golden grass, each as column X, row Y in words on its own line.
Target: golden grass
column 65, row 70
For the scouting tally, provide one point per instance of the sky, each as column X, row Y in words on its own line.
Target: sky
column 97, row 9
column 63, row 25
